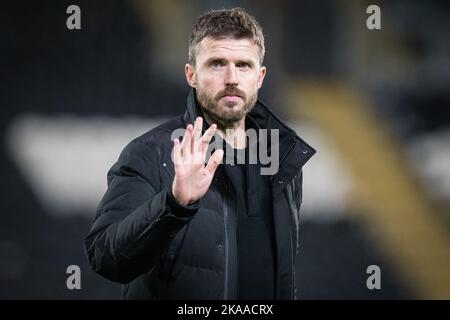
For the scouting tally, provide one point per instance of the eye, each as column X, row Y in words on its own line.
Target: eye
column 243, row 65
column 216, row 64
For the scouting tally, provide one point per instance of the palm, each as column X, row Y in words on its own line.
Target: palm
column 192, row 177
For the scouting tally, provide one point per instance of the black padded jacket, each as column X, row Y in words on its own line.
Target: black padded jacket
column 158, row 249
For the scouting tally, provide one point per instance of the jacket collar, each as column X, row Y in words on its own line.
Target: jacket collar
column 294, row 151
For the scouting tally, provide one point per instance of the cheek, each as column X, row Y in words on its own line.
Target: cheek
column 251, row 82
column 249, row 76
column 208, row 83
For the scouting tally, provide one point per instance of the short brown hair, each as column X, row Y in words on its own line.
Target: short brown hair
column 235, row 23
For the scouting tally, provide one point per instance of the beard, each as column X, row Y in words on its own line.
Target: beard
column 226, row 113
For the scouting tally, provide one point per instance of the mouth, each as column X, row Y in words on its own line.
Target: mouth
column 231, row 98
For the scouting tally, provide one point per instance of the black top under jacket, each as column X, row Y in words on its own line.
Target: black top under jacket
column 254, row 238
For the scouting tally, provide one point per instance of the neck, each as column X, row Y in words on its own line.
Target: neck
column 234, row 134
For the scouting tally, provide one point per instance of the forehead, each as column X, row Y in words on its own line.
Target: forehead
column 227, row 48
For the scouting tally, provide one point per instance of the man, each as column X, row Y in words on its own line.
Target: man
column 194, row 227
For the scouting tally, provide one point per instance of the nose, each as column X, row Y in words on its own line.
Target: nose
column 231, row 78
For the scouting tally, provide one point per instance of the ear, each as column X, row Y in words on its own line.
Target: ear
column 191, row 77
column 262, row 74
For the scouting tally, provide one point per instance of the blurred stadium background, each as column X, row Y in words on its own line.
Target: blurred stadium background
column 374, row 103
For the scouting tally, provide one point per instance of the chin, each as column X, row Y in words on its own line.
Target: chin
column 232, row 113
column 237, row 106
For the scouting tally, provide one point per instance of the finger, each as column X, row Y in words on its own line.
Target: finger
column 186, row 143
column 214, row 161
column 206, row 139
column 176, row 152
column 197, row 134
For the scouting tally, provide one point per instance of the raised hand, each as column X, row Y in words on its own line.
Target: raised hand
column 192, row 176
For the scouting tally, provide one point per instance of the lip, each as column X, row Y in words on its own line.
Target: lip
column 231, row 98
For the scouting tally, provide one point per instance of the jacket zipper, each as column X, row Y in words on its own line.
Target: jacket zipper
column 293, row 270
column 291, row 147
column 225, row 215
column 293, row 245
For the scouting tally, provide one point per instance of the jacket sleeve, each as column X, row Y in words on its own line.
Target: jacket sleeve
column 136, row 218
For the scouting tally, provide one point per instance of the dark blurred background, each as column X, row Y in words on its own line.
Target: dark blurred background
column 374, row 103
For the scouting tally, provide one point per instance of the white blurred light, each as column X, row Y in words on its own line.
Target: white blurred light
column 327, row 182
column 65, row 158
column 430, row 157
